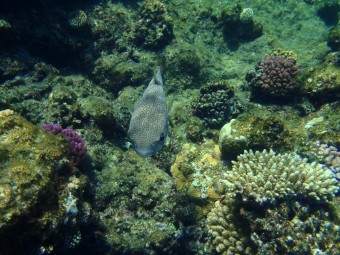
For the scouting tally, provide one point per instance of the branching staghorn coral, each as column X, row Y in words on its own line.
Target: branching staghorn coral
column 264, row 176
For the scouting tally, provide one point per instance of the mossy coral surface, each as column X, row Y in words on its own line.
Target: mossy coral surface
column 196, row 172
column 38, row 188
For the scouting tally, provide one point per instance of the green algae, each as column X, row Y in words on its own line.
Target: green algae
column 137, row 215
column 154, row 27
column 98, row 109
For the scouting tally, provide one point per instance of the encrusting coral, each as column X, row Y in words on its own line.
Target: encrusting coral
column 196, row 172
column 5, row 113
column 264, row 176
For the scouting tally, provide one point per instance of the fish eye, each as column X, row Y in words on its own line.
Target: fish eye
column 161, row 138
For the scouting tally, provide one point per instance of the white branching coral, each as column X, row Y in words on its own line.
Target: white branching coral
column 264, row 176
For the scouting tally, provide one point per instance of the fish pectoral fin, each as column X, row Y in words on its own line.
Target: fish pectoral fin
column 129, row 106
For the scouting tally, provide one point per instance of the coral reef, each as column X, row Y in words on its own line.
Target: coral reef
column 288, row 227
column 41, row 196
column 84, row 63
column 12, row 66
column 195, row 129
column 215, row 104
column 265, row 177
column 154, row 28
column 324, row 124
column 114, row 71
column 294, row 227
column 330, row 156
column 111, row 25
column 62, row 105
column 74, row 101
column 97, row 109
column 226, row 234
column 24, row 83
column 274, row 78
column 231, row 142
column 185, row 65
column 325, row 154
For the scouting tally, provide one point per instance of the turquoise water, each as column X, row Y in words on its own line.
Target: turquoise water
column 251, row 164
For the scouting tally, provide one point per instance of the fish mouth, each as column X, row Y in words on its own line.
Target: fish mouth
column 144, row 153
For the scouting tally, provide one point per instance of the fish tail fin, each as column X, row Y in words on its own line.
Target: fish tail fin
column 158, row 77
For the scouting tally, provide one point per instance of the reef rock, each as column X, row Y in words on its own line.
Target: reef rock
column 39, row 195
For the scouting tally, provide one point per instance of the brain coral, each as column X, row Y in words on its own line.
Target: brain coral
column 264, row 176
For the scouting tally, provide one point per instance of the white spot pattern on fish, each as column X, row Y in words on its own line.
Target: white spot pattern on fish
column 149, row 122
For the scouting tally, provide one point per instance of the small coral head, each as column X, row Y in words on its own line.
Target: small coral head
column 77, row 150
column 275, row 77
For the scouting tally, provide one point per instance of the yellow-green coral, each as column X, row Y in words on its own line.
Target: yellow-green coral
column 321, row 83
column 37, row 183
column 5, row 113
column 264, row 176
column 28, row 157
column 197, row 170
column 284, row 54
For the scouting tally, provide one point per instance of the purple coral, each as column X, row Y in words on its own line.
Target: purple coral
column 275, row 76
column 330, row 156
column 52, row 128
column 77, row 146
